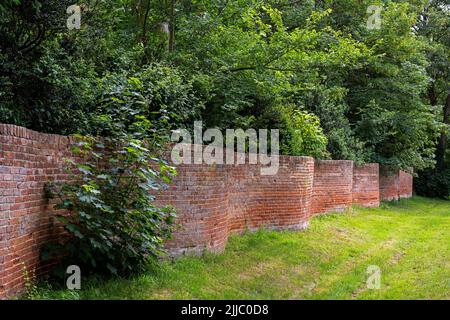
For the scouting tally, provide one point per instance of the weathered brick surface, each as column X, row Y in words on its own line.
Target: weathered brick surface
column 333, row 184
column 389, row 184
column 275, row 202
column 395, row 185
column 200, row 195
column 366, row 186
column 28, row 160
column 212, row 201
column 405, row 185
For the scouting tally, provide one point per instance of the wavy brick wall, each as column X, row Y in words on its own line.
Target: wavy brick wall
column 200, row 195
column 28, row 160
column 333, row 185
column 395, row 185
column 213, row 201
column 366, row 185
column 389, row 184
column 405, row 185
column 275, row 202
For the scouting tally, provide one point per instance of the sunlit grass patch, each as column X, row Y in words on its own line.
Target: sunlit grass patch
column 408, row 240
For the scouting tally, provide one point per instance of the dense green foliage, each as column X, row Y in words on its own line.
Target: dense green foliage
column 302, row 134
column 110, row 215
column 434, row 28
column 433, row 183
column 379, row 94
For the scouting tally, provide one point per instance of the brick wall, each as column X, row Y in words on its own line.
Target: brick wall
column 405, row 185
column 275, row 202
column 28, row 160
column 389, row 184
column 366, row 186
column 200, row 195
column 333, row 184
column 395, row 185
column 213, row 201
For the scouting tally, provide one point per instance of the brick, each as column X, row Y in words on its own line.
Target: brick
column 366, row 185
column 333, row 185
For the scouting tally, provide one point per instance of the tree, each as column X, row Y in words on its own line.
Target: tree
column 434, row 26
column 253, row 56
column 385, row 101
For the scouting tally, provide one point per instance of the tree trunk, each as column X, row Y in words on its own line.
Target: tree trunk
column 432, row 95
column 144, row 25
column 172, row 25
column 442, row 146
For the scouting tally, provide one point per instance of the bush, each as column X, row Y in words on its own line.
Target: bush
column 302, row 135
column 432, row 183
column 156, row 91
column 113, row 223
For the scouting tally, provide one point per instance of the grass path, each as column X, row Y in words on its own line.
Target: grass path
column 409, row 241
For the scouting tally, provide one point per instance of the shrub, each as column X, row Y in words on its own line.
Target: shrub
column 432, row 183
column 302, row 135
column 154, row 92
column 113, row 223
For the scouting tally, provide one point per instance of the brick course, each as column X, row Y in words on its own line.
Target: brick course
column 212, row 201
column 28, row 160
column 405, row 185
column 395, row 185
column 366, row 185
column 333, row 185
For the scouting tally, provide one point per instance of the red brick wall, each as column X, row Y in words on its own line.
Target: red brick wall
column 389, row 184
column 366, row 187
column 405, row 185
column 200, row 195
column 28, row 160
column 275, row 202
column 395, row 185
column 212, row 201
column 333, row 184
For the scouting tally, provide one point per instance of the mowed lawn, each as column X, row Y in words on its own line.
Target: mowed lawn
column 409, row 241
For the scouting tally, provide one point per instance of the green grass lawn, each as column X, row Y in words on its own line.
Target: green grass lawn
column 408, row 240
